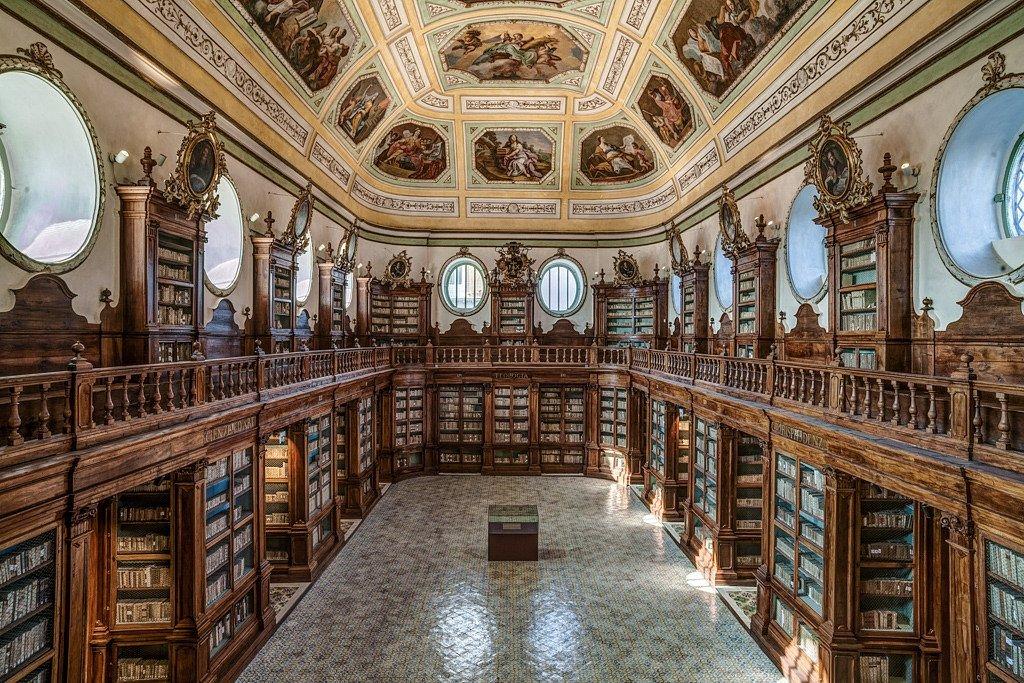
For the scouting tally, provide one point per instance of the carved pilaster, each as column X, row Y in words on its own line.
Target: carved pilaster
column 959, row 534
column 82, row 559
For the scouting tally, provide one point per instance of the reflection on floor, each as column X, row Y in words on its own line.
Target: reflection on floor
column 413, row 598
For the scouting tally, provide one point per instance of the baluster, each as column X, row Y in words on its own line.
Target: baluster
column 931, row 408
column 854, row 396
column 170, row 390
column 792, row 384
column 799, row 396
column 912, row 407
column 895, row 419
column 188, row 380
column 881, row 400
column 66, row 413
column 157, row 398
column 126, row 402
column 44, row 412
column 979, row 435
column 14, row 437
column 1003, row 442
column 108, row 406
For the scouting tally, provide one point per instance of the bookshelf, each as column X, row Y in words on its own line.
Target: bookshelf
column 1004, row 608
column 886, row 533
column 319, row 456
column 511, row 420
column 512, row 312
column 229, row 523
column 749, row 484
column 631, row 313
column 274, row 310
column 655, row 468
column 798, row 555
column 409, row 429
column 162, row 277
column 393, row 313
column 341, row 457
column 277, row 497
column 562, row 428
column 142, row 557
column 332, row 326
column 682, row 450
column 754, row 295
column 28, row 590
column 460, row 427
column 693, row 319
column 704, row 493
column 870, row 267
column 367, row 456
column 612, row 428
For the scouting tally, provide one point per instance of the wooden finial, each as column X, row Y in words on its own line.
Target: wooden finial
column 148, row 163
column 78, row 362
column 887, row 169
column 760, row 223
column 926, row 304
column 269, row 221
column 259, row 348
column 197, row 351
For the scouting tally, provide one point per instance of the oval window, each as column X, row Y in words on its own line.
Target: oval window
column 303, row 274
column 805, row 247
column 723, row 276
column 980, row 159
column 50, row 175
column 350, row 283
column 560, row 287
column 675, row 284
column 463, row 285
column 224, row 238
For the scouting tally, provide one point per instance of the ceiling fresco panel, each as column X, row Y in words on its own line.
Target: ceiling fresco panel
column 414, row 152
column 514, row 156
column 611, row 155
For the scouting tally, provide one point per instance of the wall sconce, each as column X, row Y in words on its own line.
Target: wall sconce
column 321, row 247
column 161, row 159
column 119, row 157
column 255, row 217
column 910, row 175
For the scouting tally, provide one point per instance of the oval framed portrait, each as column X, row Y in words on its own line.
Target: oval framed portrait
column 627, row 269
column 398, row 269
column 350, row 244
column 201, row 166
column 834, row 169
column 729, row 220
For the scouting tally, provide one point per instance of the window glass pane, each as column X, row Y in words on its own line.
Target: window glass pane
column 676, row 290
column 304, row 274
column 805, row 246
column 723, row 276
column 350, row 283
column 462, row 285
column 1015, row 193
column 52, row 188
column 223, row 259
column 560, row 287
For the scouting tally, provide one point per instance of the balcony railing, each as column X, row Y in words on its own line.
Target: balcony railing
column 56, row 411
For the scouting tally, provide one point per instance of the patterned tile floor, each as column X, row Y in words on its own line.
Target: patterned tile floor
column 412, row 597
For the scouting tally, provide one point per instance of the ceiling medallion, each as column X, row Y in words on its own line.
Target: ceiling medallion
column 398, row 271
column 730, row 225
column 200, row 165
column 514, row 265
column 835, row 169
column 627, row 272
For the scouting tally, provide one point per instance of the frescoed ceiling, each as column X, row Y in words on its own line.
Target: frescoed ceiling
column 584, row 116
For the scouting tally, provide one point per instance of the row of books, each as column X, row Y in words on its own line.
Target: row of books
column 891, row 551
column 148, row 543
column 25, row 599
column 149, row 576
column 884, row 620
column 144, row 514
column 142, row 669
column 1006, row 563
column 890, row 588
column 171, row 295
column 24, row 561
column 216, row 588
column 1006, row 605
column 24, row 646
column 143, row 611
column 1008, row 650
column 217, row 558
column 180, row 273
column 898, row 521
column 174, row 316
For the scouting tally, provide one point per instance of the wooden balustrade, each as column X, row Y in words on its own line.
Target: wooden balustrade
column 34, row 408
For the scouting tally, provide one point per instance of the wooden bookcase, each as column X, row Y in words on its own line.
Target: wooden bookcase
column 356, row 456
column 409, row 429
column 162, row 276
column 273, row 279
column 512, row 313
column 460, row 427
column 30, row 587
column 754, row 296
column 510, row 420
column 1002, row 566
column 331, row 329
column 680, row 445
column 704, row 494
column 657, row 469
column 298, row 498
column 693, row 318
column 366, row 454
column 870, row 270
column 562, row 433
column 631, row 314
column 613, row 429
column 393, row 313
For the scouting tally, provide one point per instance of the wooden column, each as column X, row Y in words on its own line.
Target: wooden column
column 592, row 417
column 840, row 608
column 261, row 294
column 960, row 537
column 325, row 306
column 189, row 561
column 136, row 300
column 430, row 428
column 385, row 412
column 82, row 580
column 637, row 418
column 533, row 415
column 670, row 487
column 487, row 466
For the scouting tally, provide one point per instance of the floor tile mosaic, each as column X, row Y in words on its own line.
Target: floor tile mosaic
column 412, row 598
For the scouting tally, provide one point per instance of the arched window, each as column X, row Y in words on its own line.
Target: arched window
column 981, row 158
column 723, row 276
column 675, row 284
column 463, row 285
column 50, row 175
column 805, row 248
column 224, row 235
column 561, row 287
column 303, row 274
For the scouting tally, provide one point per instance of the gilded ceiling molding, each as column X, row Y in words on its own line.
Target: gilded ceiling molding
column 620, row 59
column 652, row 202
column 864, row 26
column 385, row 202
column 505, row 208
column 333, row 165
column 409, row 63
column 496, row 104
column 431, row 11
column 700, row 168
column 195, row 35
column 437, row 102
column 637, row 14
column 594, row 104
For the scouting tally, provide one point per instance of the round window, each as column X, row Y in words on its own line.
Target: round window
column 723, row 276
column 303, row 274
column 561, row 287
column 981, row 159
column 50, row 174
column 224, row 235
column 805, row 248
column 463, row 285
